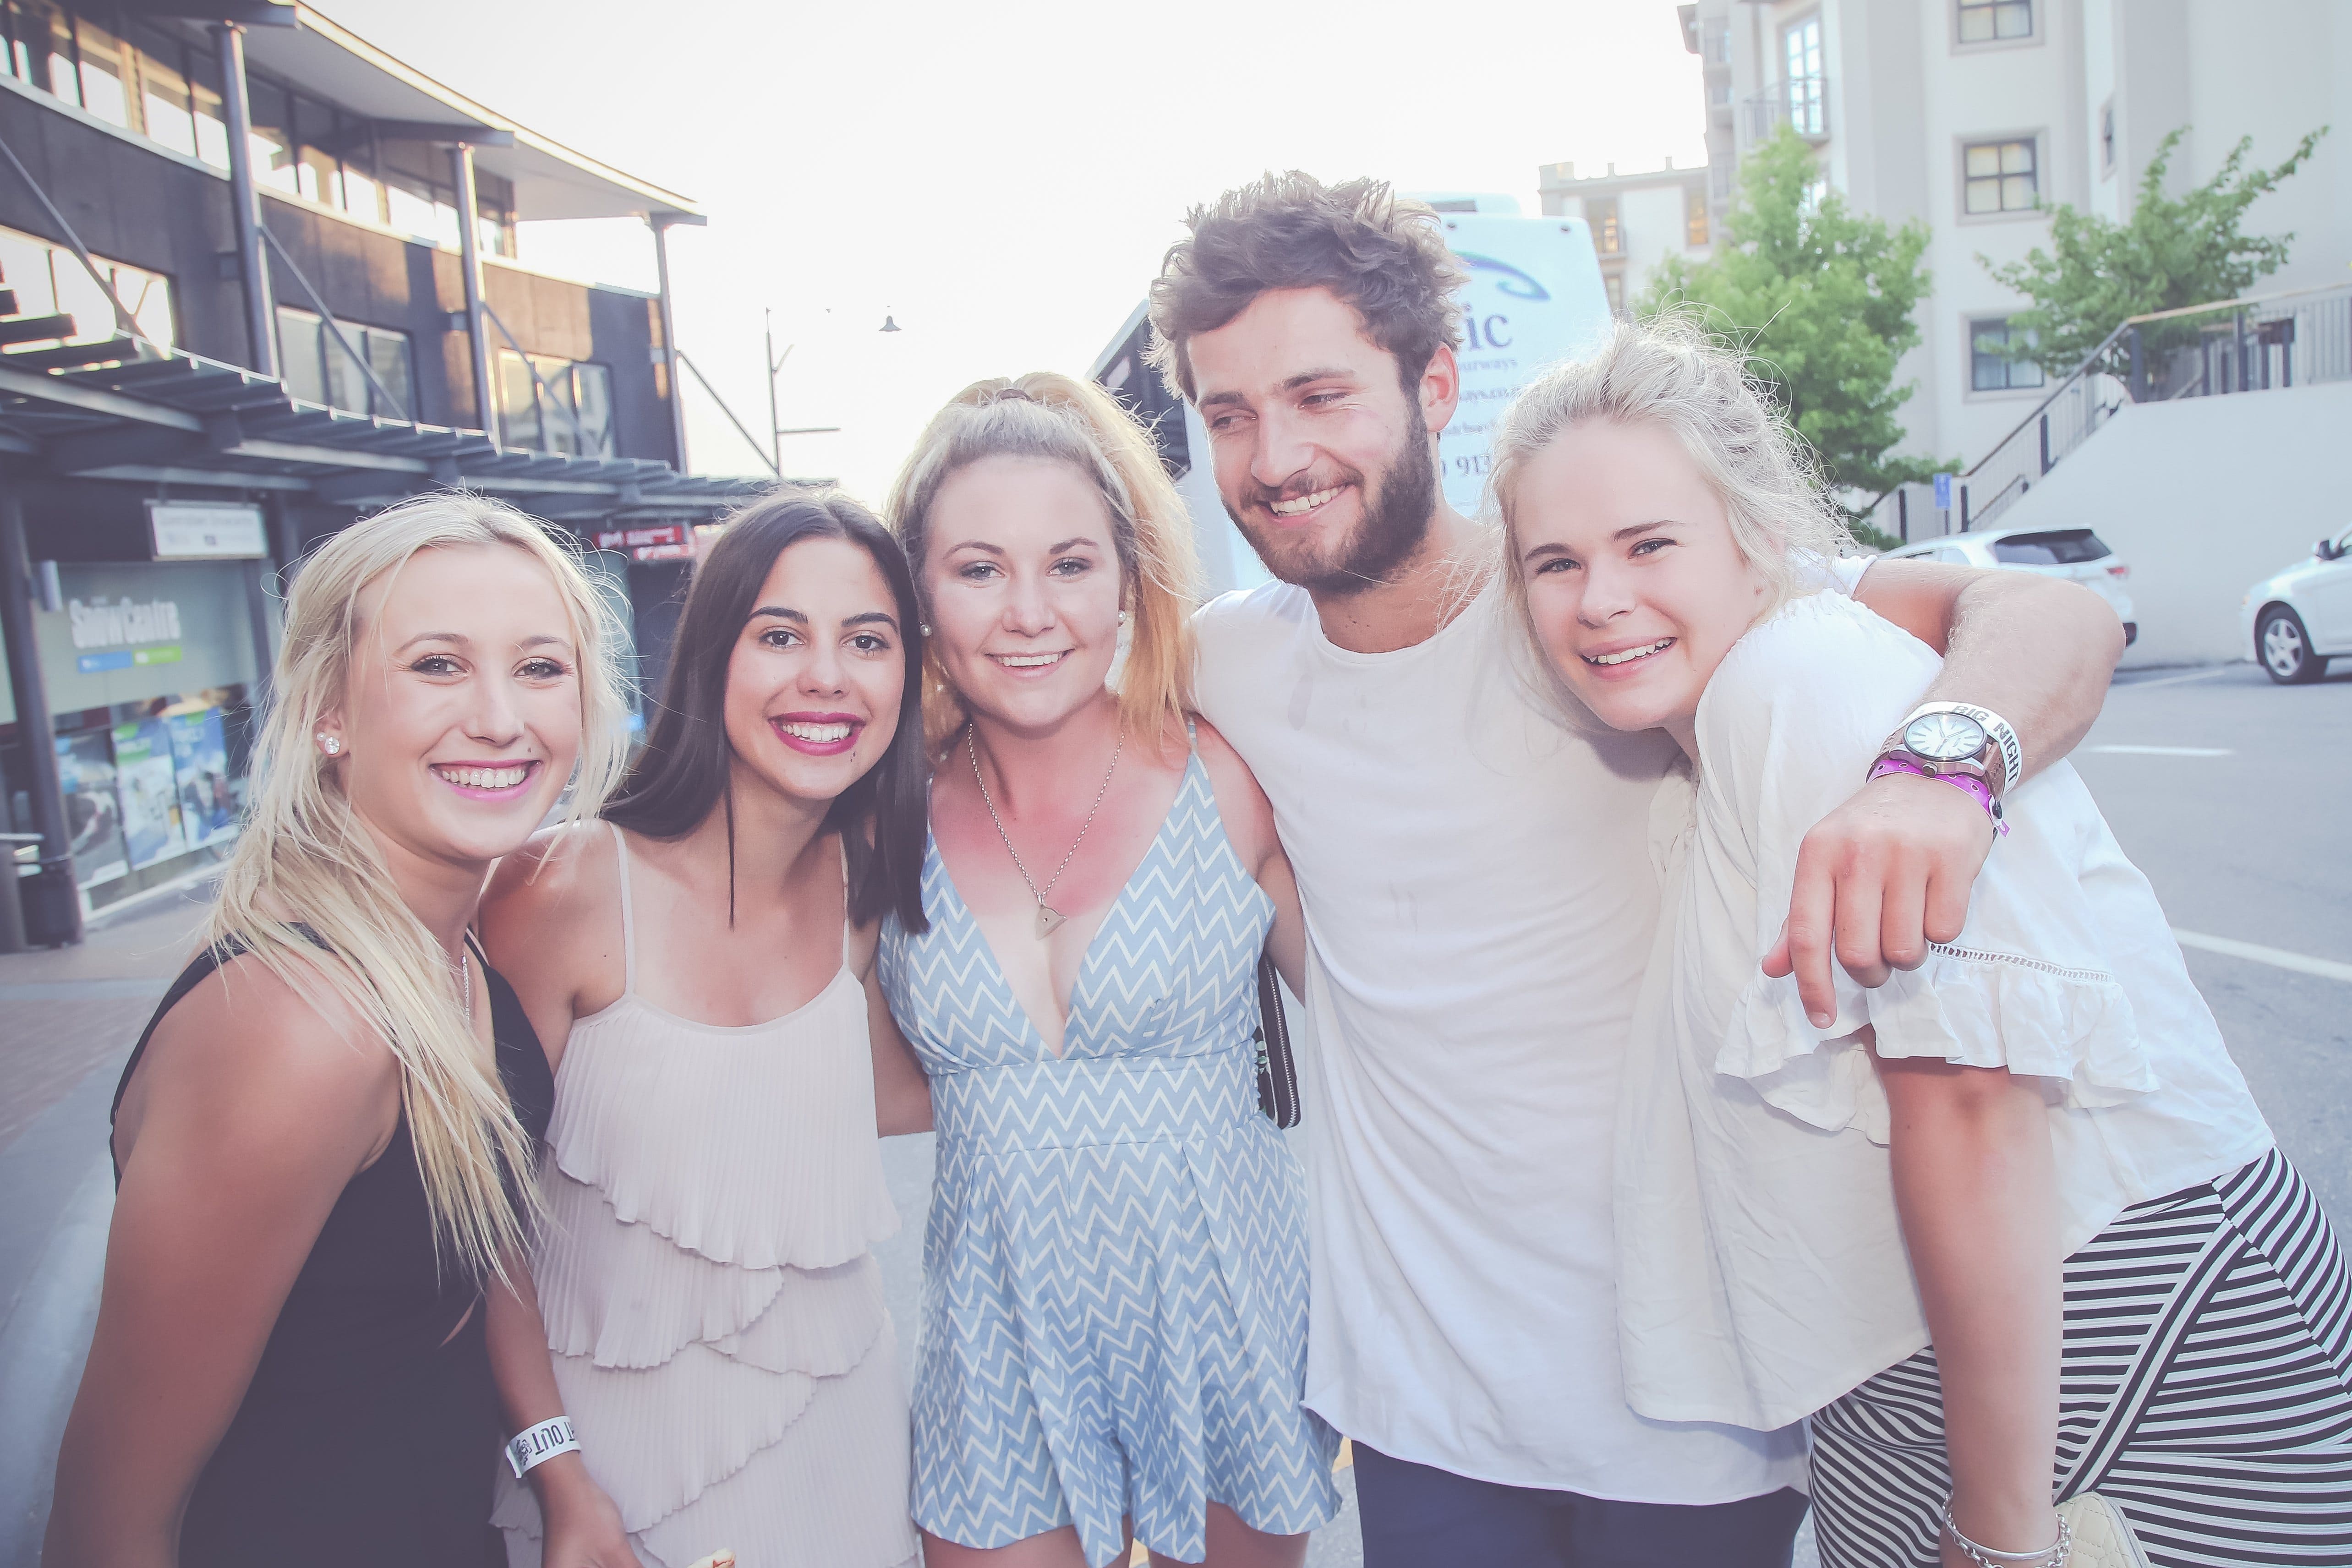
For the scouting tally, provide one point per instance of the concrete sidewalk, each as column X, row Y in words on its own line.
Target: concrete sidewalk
column 67, row 1020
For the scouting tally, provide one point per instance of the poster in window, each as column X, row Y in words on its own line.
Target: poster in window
column 200, row 756
column 149, row 788
column 93, row 816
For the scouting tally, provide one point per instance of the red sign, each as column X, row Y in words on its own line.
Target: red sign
column 642, row 539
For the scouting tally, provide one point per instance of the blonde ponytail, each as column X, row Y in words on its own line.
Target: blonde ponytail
column 1064, row 420
column 308, row 895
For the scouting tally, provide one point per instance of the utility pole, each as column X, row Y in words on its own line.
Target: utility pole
column 775, row 428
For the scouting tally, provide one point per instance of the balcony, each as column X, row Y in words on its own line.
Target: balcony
column 1803, row 105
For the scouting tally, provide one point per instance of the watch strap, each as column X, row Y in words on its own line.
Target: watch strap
column 1998, row 729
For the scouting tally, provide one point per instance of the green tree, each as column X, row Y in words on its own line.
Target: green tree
column 2189, row 250
column 1822, row 299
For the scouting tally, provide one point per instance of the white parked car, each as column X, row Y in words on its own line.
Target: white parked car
column 2077, row 555
column 2301, row 618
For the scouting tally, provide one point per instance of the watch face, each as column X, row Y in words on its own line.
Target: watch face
column 1944, row 737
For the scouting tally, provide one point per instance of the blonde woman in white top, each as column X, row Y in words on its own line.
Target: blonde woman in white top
column 2009, row 1229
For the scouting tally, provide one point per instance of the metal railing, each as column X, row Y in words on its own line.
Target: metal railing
column 2294, row 339
column 1802, row 104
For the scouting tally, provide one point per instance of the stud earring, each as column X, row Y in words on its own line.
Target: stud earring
column 329, row 745
column 1122, row 617
column 925, row 629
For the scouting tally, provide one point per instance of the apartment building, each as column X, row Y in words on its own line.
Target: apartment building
column 1978, row 116
column 1638, row 220
column 258, row 278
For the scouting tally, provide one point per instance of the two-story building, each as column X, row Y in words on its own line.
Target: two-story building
column 258, row 278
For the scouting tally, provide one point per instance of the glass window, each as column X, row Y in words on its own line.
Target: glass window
column 1986, row 21
column 56, row 37
column 593, row 401
column 361, row 195
column 387, row 355
column 302, row 354
column 317, row 369
column 1614, row 284
column 1695, row 226
column 205, row 105
column 1608, row 238
column 163, row 92
column 1988, row 369
column 50, row 279
column 106, row 88
column 1999, row 177
column 2060, row 546
column 273, row 136
column 407, row 209
column 568, row 408
column 1801, row 60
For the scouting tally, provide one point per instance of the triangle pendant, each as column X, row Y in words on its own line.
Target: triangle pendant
column 1048, row 920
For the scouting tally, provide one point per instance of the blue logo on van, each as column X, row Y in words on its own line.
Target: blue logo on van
column 1504, row 276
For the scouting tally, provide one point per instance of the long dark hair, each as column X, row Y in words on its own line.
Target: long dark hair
column 687, row 766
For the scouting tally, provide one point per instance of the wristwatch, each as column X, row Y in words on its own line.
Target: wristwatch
column 1959, row 738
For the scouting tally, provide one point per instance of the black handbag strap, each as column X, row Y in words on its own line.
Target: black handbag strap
column 1277, row 1069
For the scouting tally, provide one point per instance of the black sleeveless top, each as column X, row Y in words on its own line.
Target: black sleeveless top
column 364, row 1440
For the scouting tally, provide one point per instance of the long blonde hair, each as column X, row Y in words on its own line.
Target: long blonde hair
column 308, row 896
column 1064, row 420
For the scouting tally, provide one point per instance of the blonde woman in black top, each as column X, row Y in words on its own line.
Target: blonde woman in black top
column 325, row 1142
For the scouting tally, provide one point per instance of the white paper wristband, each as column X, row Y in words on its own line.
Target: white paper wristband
column 541, row 1444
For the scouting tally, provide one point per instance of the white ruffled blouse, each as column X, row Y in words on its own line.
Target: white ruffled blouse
column 1761, row 1265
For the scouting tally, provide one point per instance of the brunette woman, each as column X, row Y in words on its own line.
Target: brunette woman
column 2007, row 1228
column 1115, row 1296
column 703, row 956
column 323, row 1141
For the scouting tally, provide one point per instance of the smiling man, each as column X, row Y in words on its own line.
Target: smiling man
column 1480, row 903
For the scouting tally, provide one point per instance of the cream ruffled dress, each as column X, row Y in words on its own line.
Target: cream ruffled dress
column 710, row 1294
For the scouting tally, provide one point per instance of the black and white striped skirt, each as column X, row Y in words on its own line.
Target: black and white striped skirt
column 2205, row 1389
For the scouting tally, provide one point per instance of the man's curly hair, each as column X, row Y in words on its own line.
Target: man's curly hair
column 1382, row 254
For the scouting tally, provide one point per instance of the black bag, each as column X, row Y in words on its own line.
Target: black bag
column 1277, row 1072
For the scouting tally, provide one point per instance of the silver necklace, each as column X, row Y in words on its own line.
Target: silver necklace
column 1048, row 917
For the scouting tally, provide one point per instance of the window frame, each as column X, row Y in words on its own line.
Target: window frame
column 562, row 377
column 333, row 366
column 1818, row 98
column 1698, row 221
column 2033, row 35
column 2037, row 140
column 1612, row 209
column 1970, row 325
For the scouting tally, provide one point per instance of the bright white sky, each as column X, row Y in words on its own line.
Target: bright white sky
column 1004, row 177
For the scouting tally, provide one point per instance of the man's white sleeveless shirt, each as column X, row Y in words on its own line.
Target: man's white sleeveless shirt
column 1480, row 905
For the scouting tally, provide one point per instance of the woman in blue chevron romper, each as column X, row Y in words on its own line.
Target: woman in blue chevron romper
column 1114, row 1330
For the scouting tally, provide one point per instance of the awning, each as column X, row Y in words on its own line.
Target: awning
column 179, row 419
column 551, row 180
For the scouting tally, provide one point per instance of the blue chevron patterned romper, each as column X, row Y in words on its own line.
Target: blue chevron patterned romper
column 1114, row 1273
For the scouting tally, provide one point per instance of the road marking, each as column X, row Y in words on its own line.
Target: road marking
column 2164, row 750
column 2172, row 680
column 2277, row 957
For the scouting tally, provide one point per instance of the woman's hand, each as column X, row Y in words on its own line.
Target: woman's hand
column 583, row 1528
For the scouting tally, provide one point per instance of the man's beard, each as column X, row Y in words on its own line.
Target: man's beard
column 1395, row 519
